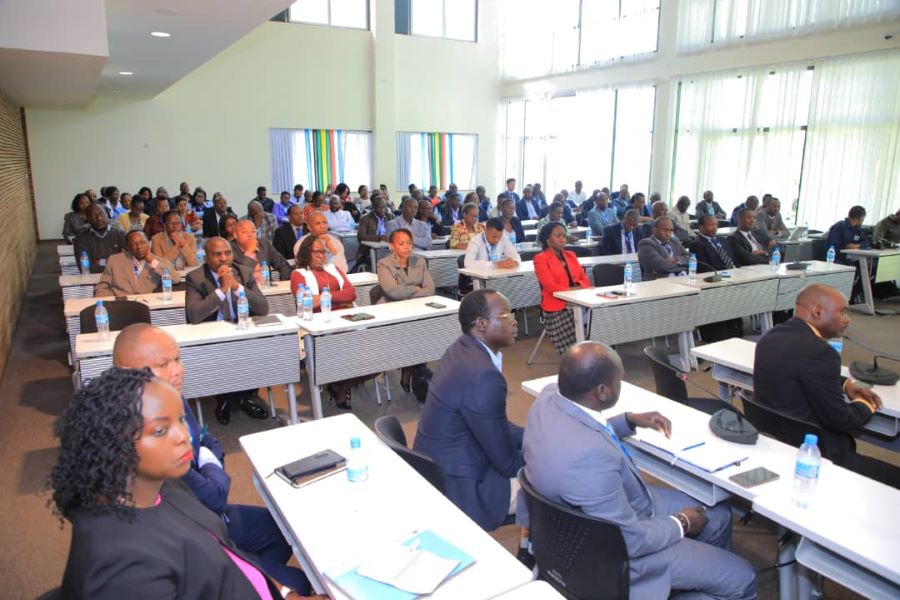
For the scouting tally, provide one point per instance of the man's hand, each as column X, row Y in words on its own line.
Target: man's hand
column 177, row 238
column 652, row 420
column 760, row 252
column 673, row 260
column 697, row 519
column 226, row 279
column 855, row 391
column 853, row 246
column 434, row 236
column 507, row 263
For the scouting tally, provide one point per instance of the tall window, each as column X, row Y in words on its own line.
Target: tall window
column 542, row 37
column 318, row 158
column 339, row 13
column 702, row 23
column 439, row 159
column 452, row 19
column 601, row 137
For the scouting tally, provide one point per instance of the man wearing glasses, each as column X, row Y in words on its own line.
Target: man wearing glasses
column 464, row 428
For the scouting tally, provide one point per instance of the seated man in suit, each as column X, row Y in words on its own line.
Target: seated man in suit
column 848, row 234
column 372, row 228
column 574, row 456
column 451, row 210
column 409, row 208
column 212, row 218
column 287, row 235
column 463, row 427
column 752, row 202
column 252, row 528
column 888, row 229
column 657, row 209
column 317, row 224
column 749, row 247
column 250, row 252
column 796, row 371
column 768, row 219
column 135, row 271
column 708, row 206
column 712, row 255
column 623, row 237
column 101, row 240
column 426, row 215
column 527, row 207
column 211, row 294
column 661, row 254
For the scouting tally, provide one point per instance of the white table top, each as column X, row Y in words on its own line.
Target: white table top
column 94, row 278
column 816, row 267
column 89, row 345
column 533, row 590
column 529, row 223
column 643, row 291
column 739, row 354
column 362, row 278
column 737, row 275
column 337, row 522
column 607, row 259
column 385, row 314
column 439, row 253
column 65, row 250
column 523, row 268
column 871, row 252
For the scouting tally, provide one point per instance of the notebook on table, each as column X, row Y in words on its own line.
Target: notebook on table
column 703, row 452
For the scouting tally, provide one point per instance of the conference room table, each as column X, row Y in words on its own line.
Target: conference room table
column 791, row 282
column 82, row 286
column 733, row 361
column 442, row 265
column 217, row 356
column 400, row 334
column 378, row 250
column 733, row 294
column 333, row 524
column 888, row 270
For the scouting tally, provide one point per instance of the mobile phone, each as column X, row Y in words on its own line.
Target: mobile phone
column 724, row 274
column 308, row 465
column 753, row 477
column 435, row 305
column 358, row 317
column 608, row 296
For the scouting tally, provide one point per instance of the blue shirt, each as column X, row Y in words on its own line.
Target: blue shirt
column 843, row 233
column 281, row 211
column 598, row 219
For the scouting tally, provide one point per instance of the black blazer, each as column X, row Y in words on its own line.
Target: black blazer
column 284, row 240
column 211, row 223
column 612, row 239
column 201, row 303
column 266, row 251
column 742, row 251
column 798, row 373
column 173, row 550
column 708, row 258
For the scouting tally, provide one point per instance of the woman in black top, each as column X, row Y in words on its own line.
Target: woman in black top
column 76, row 221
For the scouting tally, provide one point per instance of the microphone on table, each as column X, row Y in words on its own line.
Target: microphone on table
column 873, row 374
column 715, row 277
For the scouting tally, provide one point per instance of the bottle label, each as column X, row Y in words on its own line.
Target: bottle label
column 102, row 320
column 806, row 470
column 357, row 473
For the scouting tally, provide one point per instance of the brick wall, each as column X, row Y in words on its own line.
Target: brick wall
column 17, row 241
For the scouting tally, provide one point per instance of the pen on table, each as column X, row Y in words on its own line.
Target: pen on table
column 693, row 446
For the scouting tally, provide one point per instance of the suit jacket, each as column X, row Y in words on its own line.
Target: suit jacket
column 163, row 247
column 522, row 209
column 612, row 239
column 174, row 550
column 516, row 225
column 402, row 284
column 210, row 483
column 464, row 429
column 118, row 278
column 446, row 213
column 211, row 223
column 201, row 303
column 265, row 252
column 284, row 240
column 742, row 251
column 572, row 460
column 99, row 249
column 706, row 253
column 798, row 373
column 367, row 232
column 654, row 259
column 551, row 276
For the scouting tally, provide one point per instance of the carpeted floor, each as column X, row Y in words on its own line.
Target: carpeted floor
column 37, row 385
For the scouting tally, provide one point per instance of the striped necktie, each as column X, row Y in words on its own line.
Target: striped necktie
column 723, row 254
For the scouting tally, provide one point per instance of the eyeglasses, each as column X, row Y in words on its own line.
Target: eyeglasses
column 507, row 315
column 317, row 251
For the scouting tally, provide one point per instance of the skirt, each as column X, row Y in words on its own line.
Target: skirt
column 560, row 326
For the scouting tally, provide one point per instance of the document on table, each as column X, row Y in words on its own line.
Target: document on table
column 709, row 454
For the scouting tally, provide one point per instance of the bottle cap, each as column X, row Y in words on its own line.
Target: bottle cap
column 811, row 439
column 99, row 302
column 241, row 294
column 354, row 442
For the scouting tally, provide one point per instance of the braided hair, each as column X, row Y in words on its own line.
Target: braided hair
column 97, row 455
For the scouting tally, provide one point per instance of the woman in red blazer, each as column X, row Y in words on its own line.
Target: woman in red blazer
column 557, row 269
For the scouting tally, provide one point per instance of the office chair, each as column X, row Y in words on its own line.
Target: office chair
column 783, row 427
column 389, row 431
column 605, row 275
column 122, row 313
column 670, row 383
column 464, row 284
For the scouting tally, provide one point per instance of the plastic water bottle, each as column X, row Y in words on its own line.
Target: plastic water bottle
column 201, row 256
column 357, row 466
column 85, row 263
column 776, row 258
column 829, row 258
column 806, row 471
column 629, row 274
column 709, row 209
column 325, row 304
column 166, row 285
column 692, row 267
column 805, row 235
column 299, row 300
column 266, row 276
column 101, row 317
column 243, row 311
column 307, row 304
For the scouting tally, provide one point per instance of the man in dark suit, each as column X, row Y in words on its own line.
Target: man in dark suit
column 527, row 207
column 712, row 254
column 661, row 254
column 211, row 294
column 252, row 528
column 451, row 211
column 748, row 247
column 250, row 252
column 211, row 218
column 463, row 427
column 287, row 235
column 623, row 237
column 373, row 228
column 796, row 371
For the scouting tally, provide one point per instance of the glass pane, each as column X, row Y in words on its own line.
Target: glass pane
column 515, row 138
column 634, row 138
column 460, row 20
column 527, row 45
column 464, row 161
column 349, row 13
column 579, row 144
column 564, row 32
column 536, row 113
column 427, row 17
column 309, row 11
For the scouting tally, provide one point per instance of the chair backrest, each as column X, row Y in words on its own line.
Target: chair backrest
column 122, row 313
column 668, row 383
column 608, row 275
column 464, row 284
column 579, row 555
column 783, row 427
column 389, row 431
column 375, row 294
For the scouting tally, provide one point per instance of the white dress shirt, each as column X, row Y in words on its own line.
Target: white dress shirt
column 479, row 250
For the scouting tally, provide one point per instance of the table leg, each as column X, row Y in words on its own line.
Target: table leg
column 787, row 575
column 766, row 322
column 199, row 411
column 685, row 343
column 806, row 585
column 373, row 258
column 577, row 313
column 292, row 403
column 315, row 396
column 868, row 305
column 477, row 283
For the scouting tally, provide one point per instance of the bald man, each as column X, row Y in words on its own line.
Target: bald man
column 797, row 372
column 252, row 528
column 574, row 456
column 334, row 248
column 250, row 252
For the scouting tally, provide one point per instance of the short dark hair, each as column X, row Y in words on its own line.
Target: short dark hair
column 341, row 188
column 298, row 186
column 468, row 207
column 494, row 223
column 745, row 210
column 137, row 200
column 261, row 188
column 704, row 218
column 170, row 213
column 293, row 206
column 359, row 189
column 304, row 252
column 857, row 212
column 131, row 234
column 546, row 232
column 578, row 375
column 635, row 196
column 511, row 179
column 395, row 232
column 76, row 199
column 474, row 305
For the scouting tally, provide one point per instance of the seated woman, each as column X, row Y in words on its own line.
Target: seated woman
column 135, row 218
column 198, row 203
column 466, row 229
column 137, row 530
column 227, row 225
column 555, row 214
column 76, row 221
column 557, row 269
column 402, row 276
column 189, row 220
column 512, row 226
column 315, row 272
column 173, row 244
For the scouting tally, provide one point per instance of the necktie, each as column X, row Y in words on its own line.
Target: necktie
column 226, row 310
column 723, row 254
column 628, row 243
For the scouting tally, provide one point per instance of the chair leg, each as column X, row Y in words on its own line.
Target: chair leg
column 271, row 401
column 387, row 385
column 199, row 411
column 536, row 346
column 525, row 320
column 377, row 391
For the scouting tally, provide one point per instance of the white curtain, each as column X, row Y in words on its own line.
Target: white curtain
column 356, row 167
column 634, row 138
column 464, row 160
column 705, row 22
column 281, row 159
column 853, row 148
column 579, row 141
column 294, row 159
column 742, row 133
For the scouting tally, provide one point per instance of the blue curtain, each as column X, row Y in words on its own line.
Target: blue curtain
column 282, row 162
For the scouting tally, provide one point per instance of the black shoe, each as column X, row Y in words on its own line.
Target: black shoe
column 345, row 403
column 223, row 412
column 525, row 557
column 254, row 408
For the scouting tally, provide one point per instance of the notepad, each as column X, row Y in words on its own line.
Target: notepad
column 709, row 454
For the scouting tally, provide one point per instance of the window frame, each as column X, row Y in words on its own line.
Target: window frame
column 368, row 27
column 443, row 36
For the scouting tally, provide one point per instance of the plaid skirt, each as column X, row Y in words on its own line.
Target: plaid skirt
column 560, row 326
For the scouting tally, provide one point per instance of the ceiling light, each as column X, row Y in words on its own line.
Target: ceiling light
column 126, row 73
column 160, row 34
